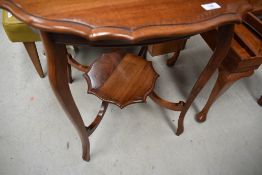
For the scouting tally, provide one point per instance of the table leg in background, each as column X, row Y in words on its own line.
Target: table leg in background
column 225, row 35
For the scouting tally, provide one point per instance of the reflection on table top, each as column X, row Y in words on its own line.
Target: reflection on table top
column 131, row 20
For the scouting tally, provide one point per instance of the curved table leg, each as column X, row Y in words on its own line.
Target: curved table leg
column 224, row 81
column 57, row 73
column 225, row 35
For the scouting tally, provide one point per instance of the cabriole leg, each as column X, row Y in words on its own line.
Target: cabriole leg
column 224, row 81
column 57, row 73
column 225, row 35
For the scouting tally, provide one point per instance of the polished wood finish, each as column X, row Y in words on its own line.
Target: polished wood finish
column 129, row 20
column 57, row 71
column 253, row 21
column 77, row 65
column 224, row 81
column 122, row 23
column 224, row 37
column 166, row 104
column 121, row 78
column 240, row 57
column 244, row 57
column 178, row 48
column 240, row 62
column 166, row 47
column 32, row 52
column 91, row 128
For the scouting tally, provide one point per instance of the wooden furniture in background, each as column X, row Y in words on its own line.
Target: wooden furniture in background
column 33, row 54
column 123, row 23
column 17, row 31
column 244, row 57
column 168, row 47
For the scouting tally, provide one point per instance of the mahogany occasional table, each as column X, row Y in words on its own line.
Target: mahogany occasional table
column 122, row 23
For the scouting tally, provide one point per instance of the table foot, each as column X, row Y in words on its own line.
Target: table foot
column 201, row 117
column 180, row 128
column 86, row 152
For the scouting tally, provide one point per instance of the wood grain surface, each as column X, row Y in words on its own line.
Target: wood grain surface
column 121, row 78
column 131, row 20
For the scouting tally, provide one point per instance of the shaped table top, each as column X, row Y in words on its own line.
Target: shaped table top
column 132, row 20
